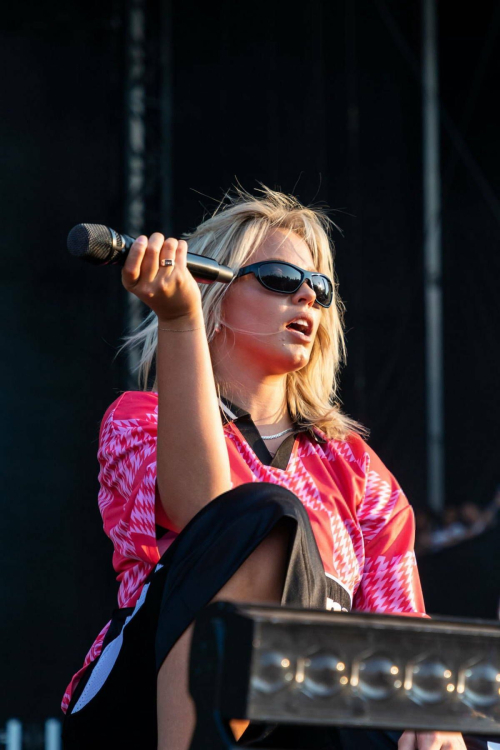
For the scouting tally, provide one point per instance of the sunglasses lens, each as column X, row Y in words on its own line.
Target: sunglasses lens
column 279, row 277
column 322, row 289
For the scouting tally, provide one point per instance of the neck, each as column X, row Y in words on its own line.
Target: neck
column 264, row 399
column 265, row 402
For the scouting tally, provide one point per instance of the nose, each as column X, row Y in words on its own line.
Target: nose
column 305, row 292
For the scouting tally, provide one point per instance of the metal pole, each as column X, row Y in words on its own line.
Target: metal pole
column 135, row 152
column 13, row 735
column 432, row 261
column 166, row 110
column 355, row 201
column 52, row 734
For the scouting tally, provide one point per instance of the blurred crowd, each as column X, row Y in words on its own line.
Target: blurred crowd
column 456, row 524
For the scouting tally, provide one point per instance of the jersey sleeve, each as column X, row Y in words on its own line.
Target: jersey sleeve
column 128, row 495
column 390, row 582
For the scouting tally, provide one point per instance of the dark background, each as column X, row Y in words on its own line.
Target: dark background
column 321, row 99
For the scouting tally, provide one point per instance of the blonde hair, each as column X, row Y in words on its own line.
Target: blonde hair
column 230, row 236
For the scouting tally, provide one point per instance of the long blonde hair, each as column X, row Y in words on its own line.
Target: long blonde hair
column 238, row 226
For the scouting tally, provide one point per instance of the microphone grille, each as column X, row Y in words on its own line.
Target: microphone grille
column 92, row 242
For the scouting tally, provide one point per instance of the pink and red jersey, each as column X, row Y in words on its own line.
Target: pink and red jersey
column 361, row 519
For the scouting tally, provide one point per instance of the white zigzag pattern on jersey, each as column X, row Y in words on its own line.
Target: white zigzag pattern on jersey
column 325, row 452
column 335, row 448
column 377, row 506
column 344, row 557
column 359, row 550
column 142, row 517
column 104, row 498
column 306, row 448
column 129, row 446
column 387, row 584
column 122, row 469
column 377, row 491
column 132, row 582
column 119, row 535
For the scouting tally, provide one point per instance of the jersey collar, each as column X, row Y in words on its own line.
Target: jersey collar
column 231, row 412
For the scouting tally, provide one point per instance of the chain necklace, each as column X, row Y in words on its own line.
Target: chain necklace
column 279, row 434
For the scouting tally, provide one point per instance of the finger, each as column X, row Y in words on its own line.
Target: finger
column 149, row 267
column 131, row 270
column 430, row 741
column 454, row 741
column 450, row 741
column 181, row 254
column 407, row 741
column 170, row 251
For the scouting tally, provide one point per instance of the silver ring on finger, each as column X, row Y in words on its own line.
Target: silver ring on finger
column 167, row 262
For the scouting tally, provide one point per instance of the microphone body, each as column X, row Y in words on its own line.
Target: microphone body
column 101, row 245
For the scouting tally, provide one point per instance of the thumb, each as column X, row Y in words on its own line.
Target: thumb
column 407, row 741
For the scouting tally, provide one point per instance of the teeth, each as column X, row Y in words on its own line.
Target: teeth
column 302, row 323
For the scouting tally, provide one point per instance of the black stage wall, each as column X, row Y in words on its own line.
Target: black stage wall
column 318, row 98
column 62, row 153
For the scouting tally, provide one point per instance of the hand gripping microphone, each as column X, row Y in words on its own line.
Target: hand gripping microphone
column 101, row 245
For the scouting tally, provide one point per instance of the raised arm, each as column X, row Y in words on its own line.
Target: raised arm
column 192, row 459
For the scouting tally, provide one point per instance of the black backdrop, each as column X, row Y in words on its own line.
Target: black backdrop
column 318, row 98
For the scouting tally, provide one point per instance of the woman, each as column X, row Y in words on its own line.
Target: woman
column 237, row 476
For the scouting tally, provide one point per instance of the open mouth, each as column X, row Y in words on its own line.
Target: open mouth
column 302, row 328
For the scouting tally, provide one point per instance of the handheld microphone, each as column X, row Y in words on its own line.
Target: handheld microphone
column 101, row 245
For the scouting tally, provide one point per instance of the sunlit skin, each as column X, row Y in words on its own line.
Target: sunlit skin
column 254, row 365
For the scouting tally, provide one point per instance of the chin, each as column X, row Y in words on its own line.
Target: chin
column 297, row 362
column 282, row 361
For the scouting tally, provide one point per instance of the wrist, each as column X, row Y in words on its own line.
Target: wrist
column 183, row 322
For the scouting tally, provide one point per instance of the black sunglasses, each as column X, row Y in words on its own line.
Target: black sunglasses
column 285, row 278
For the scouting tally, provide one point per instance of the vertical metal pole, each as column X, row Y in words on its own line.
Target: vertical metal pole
column 166, row 110
column 135, row 151
column 13, row 735
column 355, row 201
column 432, row 260
column 52, row 734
